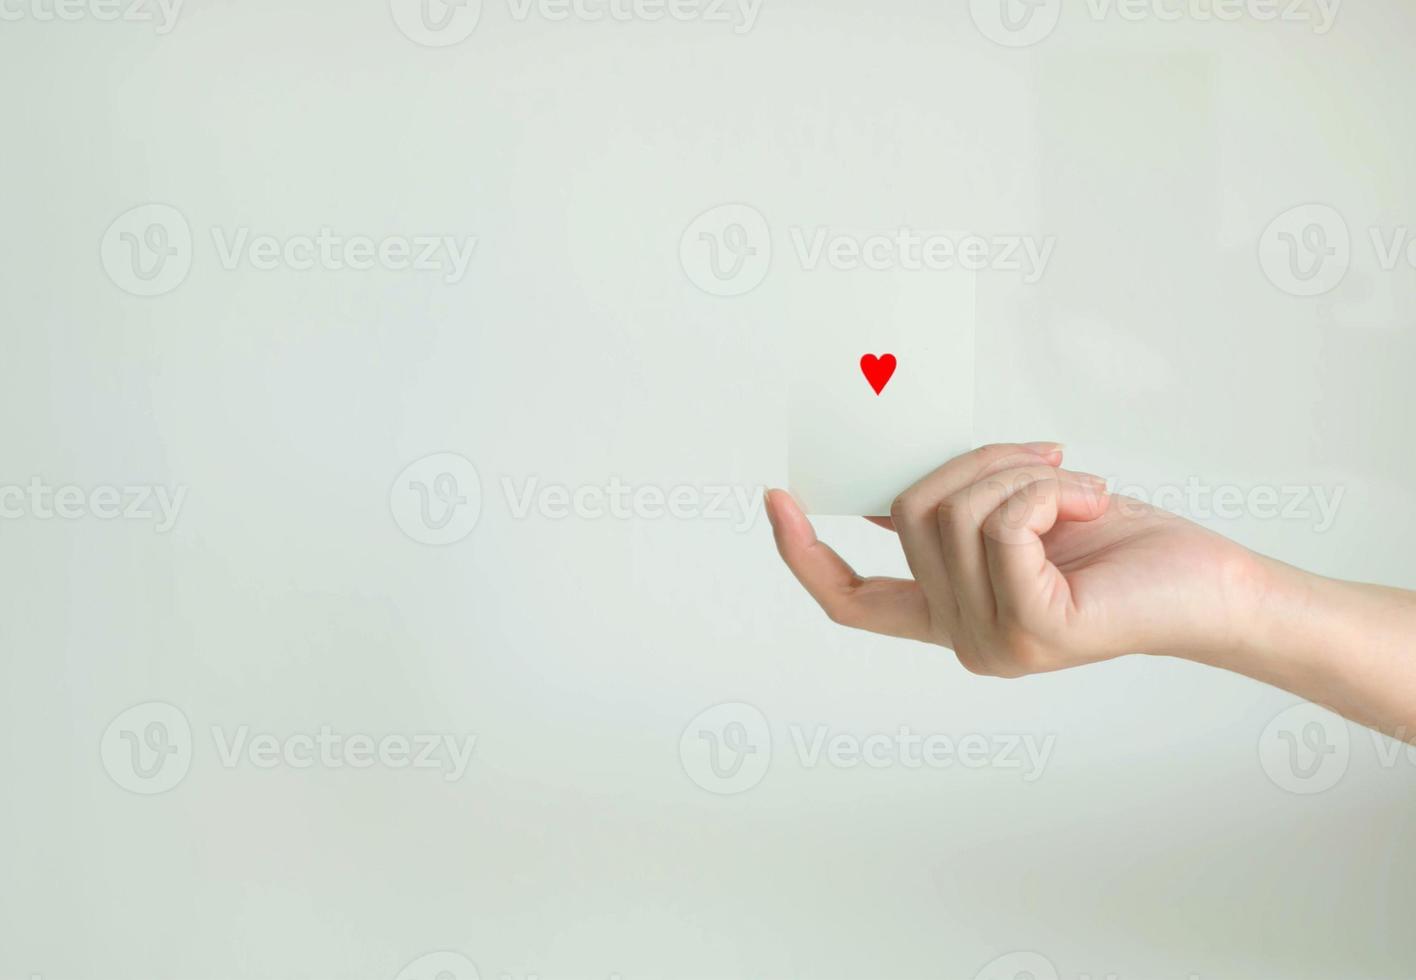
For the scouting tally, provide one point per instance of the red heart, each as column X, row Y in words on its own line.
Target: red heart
column 878, row 370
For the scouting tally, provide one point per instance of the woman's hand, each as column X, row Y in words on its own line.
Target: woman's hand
column 1021, row 567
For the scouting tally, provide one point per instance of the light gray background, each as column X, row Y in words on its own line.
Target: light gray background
column 577, row 350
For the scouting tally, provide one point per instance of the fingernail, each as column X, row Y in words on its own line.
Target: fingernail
column 767, row 506
column 1044, row 448
column 1093, row 481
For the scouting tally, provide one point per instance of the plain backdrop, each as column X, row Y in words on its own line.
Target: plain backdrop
column 578, row 350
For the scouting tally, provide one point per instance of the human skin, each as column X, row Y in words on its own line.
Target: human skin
column 1020, row 566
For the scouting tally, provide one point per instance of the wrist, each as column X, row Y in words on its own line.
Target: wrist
column 1283, row 627
column 1248, row 626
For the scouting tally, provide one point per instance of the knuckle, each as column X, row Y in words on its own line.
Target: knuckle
column 1005, row 523
column 971, row 660
column 1011, row 637
column 1029, row 481
column 996, row 523
column 976, row 655
column 996, row 531
column 958, row 524
column 902, row 507
column 1000, row 456
column 962, row 513
column 840, row 613
column 995, row 450
column 985, row 496
column 911, row 507
column 1021, row 649
column 947, row 511
column 973, row 665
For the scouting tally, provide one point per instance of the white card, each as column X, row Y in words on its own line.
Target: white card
column 852, row 450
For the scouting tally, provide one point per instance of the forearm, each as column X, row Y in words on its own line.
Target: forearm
column 1349, row 647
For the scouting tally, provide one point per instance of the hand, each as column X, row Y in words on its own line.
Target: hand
column 1021, row 567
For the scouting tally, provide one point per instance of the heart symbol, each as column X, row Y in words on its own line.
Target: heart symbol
column 878, row 370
